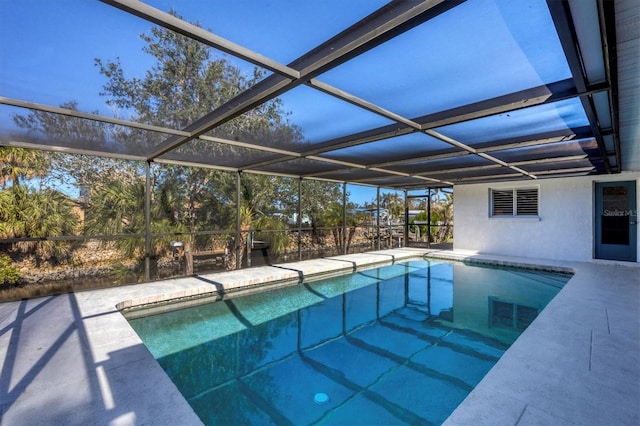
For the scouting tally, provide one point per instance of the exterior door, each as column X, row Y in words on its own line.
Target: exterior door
column 616, row 221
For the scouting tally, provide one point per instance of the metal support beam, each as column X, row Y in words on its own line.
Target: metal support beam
column 194, row 32
column 344, row 217
column 93, row 117
column 147, row 222
column 384, row 24
column 553, row 92
column 500, row 145
column 378, row 218
column 607, row 15
column 236, row 245
column 563, row 21
column 406, row 218
column 299, row 220
column 429, row 217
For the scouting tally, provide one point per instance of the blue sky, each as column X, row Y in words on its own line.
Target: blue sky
column 47, row 52
column 47, row 49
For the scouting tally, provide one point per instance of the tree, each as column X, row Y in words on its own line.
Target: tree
column 317, row 199
column 443, row 211
column 20, row 163
column 88, row 172
column 393, row 202
column 185, row 83
column 441, row 216
column 333, row 217
column 274, row 231
column 28, row 213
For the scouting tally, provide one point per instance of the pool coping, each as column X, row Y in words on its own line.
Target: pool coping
column 244, row 281
column 74, row 357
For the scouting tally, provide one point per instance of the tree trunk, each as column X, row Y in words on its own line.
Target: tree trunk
column 352, row 232
column 188, row 259
column 230, row 255
column 235, row 253
column 338, row 239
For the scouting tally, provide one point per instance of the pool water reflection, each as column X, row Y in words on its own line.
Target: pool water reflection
column 397, row 344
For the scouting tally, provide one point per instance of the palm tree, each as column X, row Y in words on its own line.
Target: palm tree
column 27, row 213
column 443, row 211
column 20, row 163
column 119, row 208
column 235, row 252
column 393, row 202
column 278, row 239
column 333, row 217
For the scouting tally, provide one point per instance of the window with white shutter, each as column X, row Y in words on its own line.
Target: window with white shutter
column 527, row 202
column 502, row 203
column 513, row 202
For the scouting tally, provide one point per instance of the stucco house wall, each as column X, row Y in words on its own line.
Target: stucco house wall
column 564, row 229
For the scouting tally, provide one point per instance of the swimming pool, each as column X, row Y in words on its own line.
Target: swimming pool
column 402, row 343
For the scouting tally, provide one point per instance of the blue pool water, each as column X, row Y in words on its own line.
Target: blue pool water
column 399, row 344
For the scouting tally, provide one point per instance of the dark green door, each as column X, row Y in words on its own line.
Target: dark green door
column 616, row 221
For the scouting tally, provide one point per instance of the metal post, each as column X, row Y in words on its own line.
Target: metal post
column 344, row 217
column 378, row 219
column 248, row 247
column 147, row 222
column 429, row 217
column 299, row 208
column 236, row 245
column 429, row 288
column 406, row 218
column 406, row 285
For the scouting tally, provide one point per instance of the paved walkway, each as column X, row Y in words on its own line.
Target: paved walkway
column 72, row 359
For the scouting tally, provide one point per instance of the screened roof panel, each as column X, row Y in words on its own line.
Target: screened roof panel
column 428, row 166
column 585, row 147
column 535, row 139
column 543, row 118
column 494, row 171
column 47, row 50
column 62, row 69
column 475, row 51
column 353, row 175
column 399, row 182
column 23, row 128
column 463, row 91
column 609, row 143
column 310, row 117
column 602, row 107
column 299, row 167
column 271, row 23
column 398, row 148
column 250, row 129
column 584, row 165
column 589, row 34
column 217, row 154
column 321, row 117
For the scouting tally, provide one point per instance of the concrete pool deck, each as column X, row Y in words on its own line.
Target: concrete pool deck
column 73, row 359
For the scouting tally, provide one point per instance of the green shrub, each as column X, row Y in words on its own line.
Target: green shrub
column 8, row 274
column 276, row 235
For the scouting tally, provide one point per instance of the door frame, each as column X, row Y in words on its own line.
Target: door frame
column 616, row 251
